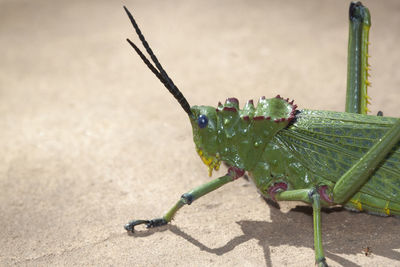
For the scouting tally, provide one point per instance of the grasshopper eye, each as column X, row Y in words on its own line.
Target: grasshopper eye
column 202, row 121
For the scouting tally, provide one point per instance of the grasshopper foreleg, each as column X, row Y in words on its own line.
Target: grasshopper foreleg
column 188, row 198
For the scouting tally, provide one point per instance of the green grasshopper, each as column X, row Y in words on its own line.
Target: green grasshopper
column 322, row 158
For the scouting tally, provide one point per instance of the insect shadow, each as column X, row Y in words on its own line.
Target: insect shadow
column 344, row 232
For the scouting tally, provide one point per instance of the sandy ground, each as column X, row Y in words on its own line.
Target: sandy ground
column 90, row 139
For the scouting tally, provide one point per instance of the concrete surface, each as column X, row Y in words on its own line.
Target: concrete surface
column 90, row 139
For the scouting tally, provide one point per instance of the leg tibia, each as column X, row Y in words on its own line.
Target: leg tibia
column 319, row 251
column 196, row 193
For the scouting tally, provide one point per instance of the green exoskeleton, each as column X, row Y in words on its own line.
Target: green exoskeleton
column 322, row 158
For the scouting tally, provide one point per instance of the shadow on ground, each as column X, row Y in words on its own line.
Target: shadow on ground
column 344, row 232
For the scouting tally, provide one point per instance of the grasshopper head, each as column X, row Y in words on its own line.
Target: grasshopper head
column 205, row 135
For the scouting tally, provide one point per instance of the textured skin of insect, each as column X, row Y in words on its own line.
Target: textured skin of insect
column 285, row 149
column 323, row 158
column 238, row 137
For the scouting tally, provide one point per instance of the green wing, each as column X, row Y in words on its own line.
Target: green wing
column 329, row 143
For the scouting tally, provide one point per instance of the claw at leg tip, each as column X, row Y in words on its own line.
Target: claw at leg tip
column 129, row 227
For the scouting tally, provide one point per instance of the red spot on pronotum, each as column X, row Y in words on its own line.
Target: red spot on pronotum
column 233, row 109
column 258, row 118
column 232, row 100
column 250, row 102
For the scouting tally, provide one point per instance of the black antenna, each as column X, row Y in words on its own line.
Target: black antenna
column 158, row 70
